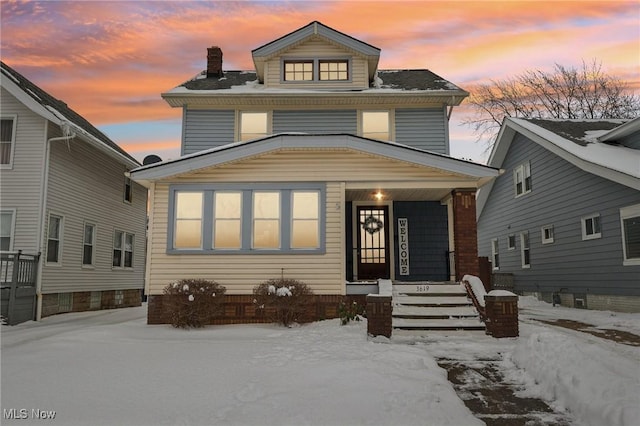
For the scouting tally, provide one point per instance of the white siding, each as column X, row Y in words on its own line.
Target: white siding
column 20, row 186
column 87, row 185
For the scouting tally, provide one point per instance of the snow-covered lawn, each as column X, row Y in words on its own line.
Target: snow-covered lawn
column 110, row 368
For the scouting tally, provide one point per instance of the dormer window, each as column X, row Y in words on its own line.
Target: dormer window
column 298, row 70
column 334, row 70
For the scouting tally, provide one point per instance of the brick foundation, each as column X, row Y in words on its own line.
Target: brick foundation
column 81, row 301
column 379, row 315
column 240, row 309
column 465, row 234
column 502, row 315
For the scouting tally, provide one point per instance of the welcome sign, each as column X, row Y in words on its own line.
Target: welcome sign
column 403, row 245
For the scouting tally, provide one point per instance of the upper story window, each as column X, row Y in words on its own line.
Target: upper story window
column 7, row 224
column 7, row 138
column 375, row 125
column 253, row 125
column 522, row 179
column 298, row 70
column 511, row 242
column 128, row 190
column 591, row 227
column 495, row 254
column 630, row 219
column 54, row 239
column 547, row 234
column 334, row 70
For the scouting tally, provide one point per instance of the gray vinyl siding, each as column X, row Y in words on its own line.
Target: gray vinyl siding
column 422, row 128
column 204, row 129
column 561, row 195
column 87, row 185
column 20, row 186
column 631, row 141
column 315, row 121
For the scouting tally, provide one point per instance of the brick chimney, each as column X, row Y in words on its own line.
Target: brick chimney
column 214, row 62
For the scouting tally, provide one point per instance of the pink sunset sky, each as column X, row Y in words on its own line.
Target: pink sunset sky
column 111, row 60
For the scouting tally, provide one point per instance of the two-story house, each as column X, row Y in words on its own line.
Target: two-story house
column 64, row 193
column 564, row 218
column 315, row 166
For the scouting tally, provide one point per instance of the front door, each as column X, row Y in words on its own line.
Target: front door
column 373, row 242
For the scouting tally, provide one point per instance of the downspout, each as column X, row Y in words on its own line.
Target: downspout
column 66, row 129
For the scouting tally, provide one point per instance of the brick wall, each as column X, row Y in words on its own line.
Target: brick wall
column 502, row 315
column 379, row 319
column 81, row 301
column 465, row 233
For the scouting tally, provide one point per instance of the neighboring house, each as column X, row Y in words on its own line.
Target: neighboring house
column 315, row 166
column 565, row 216
column 65, row 193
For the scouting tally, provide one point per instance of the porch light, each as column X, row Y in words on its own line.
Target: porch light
column 378, row 195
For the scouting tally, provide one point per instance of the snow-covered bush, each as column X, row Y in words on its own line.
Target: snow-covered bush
column 350, row 312
column 283, row 300
column 193, row 302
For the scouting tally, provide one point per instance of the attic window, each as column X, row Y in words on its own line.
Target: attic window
column 298, row 70
column 334, row 70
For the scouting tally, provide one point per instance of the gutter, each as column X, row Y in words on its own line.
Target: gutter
column 66, row 129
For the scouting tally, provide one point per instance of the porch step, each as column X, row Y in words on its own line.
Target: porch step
column 420, row 308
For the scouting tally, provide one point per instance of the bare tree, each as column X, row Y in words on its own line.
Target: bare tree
column 565, row 93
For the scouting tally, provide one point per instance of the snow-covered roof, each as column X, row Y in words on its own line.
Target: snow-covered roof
column 237, row 151
column 578, row 141
column 55, row 110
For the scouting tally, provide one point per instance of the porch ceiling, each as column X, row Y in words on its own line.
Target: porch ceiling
column 397, row 194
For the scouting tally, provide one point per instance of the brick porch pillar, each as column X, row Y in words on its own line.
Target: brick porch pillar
column 465, row 233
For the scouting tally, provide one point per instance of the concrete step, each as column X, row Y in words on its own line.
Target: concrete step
column 437, row 324
column 428, row 289
column 435, row 300
column 437, row 311
column 400, row 333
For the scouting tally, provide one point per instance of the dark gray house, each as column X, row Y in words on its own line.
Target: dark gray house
column 564, row 216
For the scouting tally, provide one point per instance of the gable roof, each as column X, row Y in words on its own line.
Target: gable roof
column 58, row 112
column 315, row 29
column 238, row 151
column 577, row 141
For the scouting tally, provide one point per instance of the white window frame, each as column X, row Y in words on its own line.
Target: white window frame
column 525, row 248
column 12, row 230
column 495, row 254
column 627, row 213
column 594, row 235
column 543, row 234
column 268, row 130
column 510, row 238
column 58, row 261
column 123, row 250
column 524, row 171
column 92, row 244
column 14, row 118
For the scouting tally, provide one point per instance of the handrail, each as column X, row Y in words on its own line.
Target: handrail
column 481, row 310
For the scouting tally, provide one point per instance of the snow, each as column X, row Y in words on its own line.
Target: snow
column 110, row 367
column 477, row 287
column 500, row 293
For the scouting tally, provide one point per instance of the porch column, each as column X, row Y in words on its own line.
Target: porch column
column 465, row 233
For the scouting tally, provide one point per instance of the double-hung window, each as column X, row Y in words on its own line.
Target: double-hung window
column 511, row 242
column 630, row 222
column 7, row 224
column 525, row 253
column 7, row 139
column 591, row 227
column 253, row 125
column 54, row 239
column 547, row 234
column 522, row 179
column 375, row 125
column 495, row 254
column 123, row 243
column 259, row 218
column 88, row 244
column 128, row 190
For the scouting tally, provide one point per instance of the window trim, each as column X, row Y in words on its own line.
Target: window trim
column 246, row 219
column 583, row 222
column 240, row 112
column 524, row 249
column 123, row 251
column 293, row 219
column 12, row 229
column 334, row 61
column 93, row 244
column 509, row 246
column 14, row 118
column 627, row 213
column 316, row 69
column 58, row 261
column 525, row 170
column 495, row 254
column 546, row 240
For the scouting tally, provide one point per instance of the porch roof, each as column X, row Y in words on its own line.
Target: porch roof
column 238, row 151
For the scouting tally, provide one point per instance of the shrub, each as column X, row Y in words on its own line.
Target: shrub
column 283, row 300
column 349, row 312
column 193, row 302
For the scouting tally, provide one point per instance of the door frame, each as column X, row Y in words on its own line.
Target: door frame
column 391, row 230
